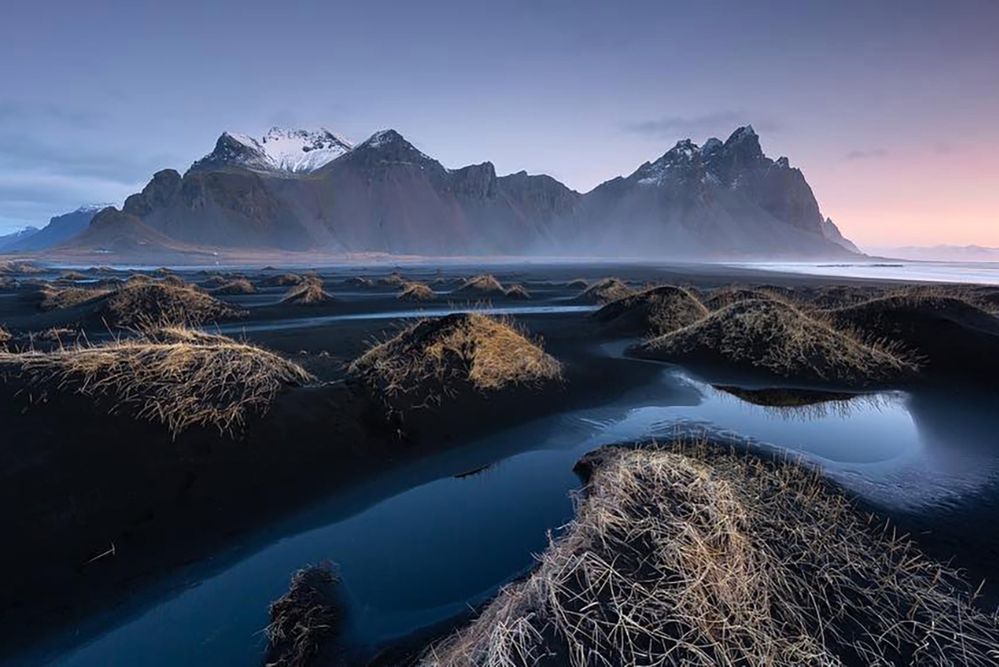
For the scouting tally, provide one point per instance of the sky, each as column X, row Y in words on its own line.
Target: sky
column 891, row 109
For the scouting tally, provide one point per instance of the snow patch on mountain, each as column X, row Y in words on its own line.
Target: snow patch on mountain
column 293, row 151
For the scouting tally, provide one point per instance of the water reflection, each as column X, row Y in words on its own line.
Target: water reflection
column 445, row 532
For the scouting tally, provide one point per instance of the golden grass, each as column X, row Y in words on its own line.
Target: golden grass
column 175, row 376
column 434, row 359
column 689, row 555
column 282, row 280
column 777, row 337
column 57, row 298
column 5, row 337
column 415, row 291
column 141, row 305
column 517, row 291
column 655, row 311
column 481, row 284
column 303, row 618
column 309, row 292
column 726, row 296
column 606, row 290
column 393, row 279
column 236, row 286
column 72, row 276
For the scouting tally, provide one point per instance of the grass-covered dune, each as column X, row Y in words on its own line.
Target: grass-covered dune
column 437, row 359
column 139, row 303
column 605, row 291
column 652, row 312
column 310, row 292
column 174, row 376
column 481, row 285
column 235, row 286
column 416, row 291
column 777, row 339
column 951, row 336
column 690, row 555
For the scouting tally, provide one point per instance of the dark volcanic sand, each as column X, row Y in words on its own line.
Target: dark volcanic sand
column 74, row 480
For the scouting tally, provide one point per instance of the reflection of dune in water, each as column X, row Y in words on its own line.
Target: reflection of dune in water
column 808, row 404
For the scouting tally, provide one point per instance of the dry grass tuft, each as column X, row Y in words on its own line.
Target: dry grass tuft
column 175, row 376
column 605, row 291
column 653, row 312
column 517, row 291
column 237, row 286
column 5, row 337
column 57, row 298
column 414, row 291
column 72, row 276
column 777, row 337
column 309, row 292
column 484, row 284
column 687, row 555
column 434, row 359
column 303, row 618
column 282, row 280
column 358, row 281
column 393, row 279
column 174, row 281
column 142, row 305
column 726, row 296
column 577, row 283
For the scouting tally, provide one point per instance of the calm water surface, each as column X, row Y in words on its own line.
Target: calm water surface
column 423, row 543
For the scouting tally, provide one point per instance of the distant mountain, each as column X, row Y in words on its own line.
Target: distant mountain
column 280, row 150
column 59, row 229
column 13, row 238
column 312, row 191
column 720, row 200
column 113, row 232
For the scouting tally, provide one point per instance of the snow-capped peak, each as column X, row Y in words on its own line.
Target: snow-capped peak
column 302, row 150
column 293, row 151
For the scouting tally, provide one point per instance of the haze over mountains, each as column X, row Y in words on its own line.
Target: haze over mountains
column 296, row 190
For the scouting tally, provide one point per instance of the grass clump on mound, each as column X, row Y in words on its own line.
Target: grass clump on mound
column 605, row 291
column 482, row 285
column 778, row 338
column 175, row 376
column 303, row 618
column 434, row 359
column 685, row 555
column 414, row 291
column 140, row 304
column 726, row 296
column 282, row 280
column 57, row 298
column 237, row 286
column 310, row 292
column 653, row 312
column 518, row 292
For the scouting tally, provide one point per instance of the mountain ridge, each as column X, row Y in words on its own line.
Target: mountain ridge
column 720, row 199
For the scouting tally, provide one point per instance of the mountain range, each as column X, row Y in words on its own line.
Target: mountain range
column 312, row 191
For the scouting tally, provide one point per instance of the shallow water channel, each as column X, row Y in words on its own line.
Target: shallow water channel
column 426, row 542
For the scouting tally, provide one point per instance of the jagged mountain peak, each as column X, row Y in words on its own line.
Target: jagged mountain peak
column 390, row 146
column 279, row 150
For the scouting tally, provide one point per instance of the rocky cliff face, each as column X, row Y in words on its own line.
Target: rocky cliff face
column 722, row 199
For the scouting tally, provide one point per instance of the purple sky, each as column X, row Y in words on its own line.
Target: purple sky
column 890, row 108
